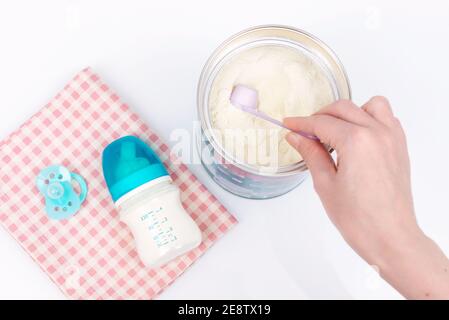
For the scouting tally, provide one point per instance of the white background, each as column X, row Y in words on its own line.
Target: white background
column 152, row 52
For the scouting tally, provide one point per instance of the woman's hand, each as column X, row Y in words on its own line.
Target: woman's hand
column 367, row 192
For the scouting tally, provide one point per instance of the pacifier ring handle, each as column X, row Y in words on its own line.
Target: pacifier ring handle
column 82, row 184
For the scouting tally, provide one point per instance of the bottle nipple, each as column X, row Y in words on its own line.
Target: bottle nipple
column 128, row 161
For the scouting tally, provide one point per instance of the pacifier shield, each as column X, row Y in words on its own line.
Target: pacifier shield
column 55, row 183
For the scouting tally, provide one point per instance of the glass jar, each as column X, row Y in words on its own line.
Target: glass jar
column 237, row 177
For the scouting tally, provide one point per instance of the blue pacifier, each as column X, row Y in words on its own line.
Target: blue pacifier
column 61, row 200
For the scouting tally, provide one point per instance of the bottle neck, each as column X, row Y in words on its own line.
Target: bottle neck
column 144, row 191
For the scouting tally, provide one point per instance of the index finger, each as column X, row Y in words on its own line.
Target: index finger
column 331, row 130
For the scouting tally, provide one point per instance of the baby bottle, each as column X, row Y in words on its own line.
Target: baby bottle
column 148, row 202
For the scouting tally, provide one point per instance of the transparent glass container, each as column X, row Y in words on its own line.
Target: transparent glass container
column 237, row 177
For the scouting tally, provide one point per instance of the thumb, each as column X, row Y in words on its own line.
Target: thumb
column 317, row 158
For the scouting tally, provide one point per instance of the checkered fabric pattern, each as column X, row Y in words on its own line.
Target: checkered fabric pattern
column 92, row 255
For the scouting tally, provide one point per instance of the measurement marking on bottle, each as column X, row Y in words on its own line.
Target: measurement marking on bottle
column 159, row 227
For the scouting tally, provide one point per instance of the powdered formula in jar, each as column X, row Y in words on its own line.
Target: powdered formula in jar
column 294, row 74
column 288, row 82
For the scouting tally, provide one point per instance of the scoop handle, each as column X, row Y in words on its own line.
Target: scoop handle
column 266, row 117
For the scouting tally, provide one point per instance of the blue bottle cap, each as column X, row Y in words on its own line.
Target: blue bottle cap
column 129, row 163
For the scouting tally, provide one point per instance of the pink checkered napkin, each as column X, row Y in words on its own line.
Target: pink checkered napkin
column 91, row 255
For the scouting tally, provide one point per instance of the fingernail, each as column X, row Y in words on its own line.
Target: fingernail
column 293, row 138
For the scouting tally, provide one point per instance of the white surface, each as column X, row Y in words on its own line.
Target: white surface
column 282, row 248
